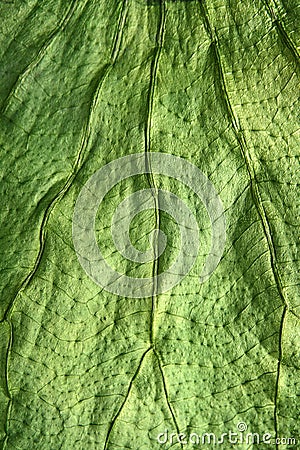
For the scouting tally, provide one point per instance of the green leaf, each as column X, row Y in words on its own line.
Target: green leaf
column 82, row 84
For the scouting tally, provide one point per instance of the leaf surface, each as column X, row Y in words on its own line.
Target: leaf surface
column 85, row 83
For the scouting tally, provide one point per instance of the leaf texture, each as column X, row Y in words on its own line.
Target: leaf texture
column 84, row 83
